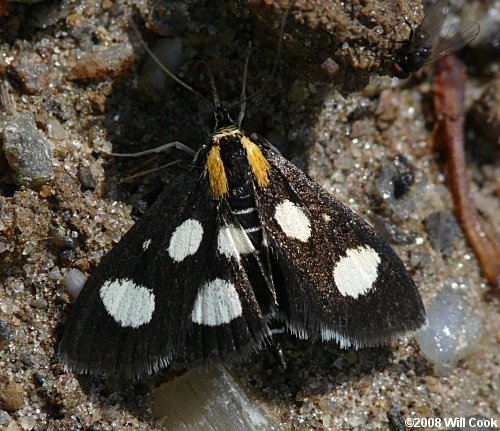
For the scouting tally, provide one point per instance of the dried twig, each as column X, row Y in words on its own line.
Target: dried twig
column 448, row 91
column 3, row 7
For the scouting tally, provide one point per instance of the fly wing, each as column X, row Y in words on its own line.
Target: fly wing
column 335, row 277
column 430, row 28
column 457, row 36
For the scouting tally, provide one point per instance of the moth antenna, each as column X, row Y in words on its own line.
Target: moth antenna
column 163, row 67
column 275, row 66
column 243, row 94
column 215, row 94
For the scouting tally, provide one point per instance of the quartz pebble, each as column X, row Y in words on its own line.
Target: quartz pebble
column 74, row 281
column 208, row 401
column 4, row 417
column 27, row 423
column 452, row 332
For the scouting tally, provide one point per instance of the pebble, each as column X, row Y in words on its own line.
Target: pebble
column 74, row 281
column 26, row 150
column 391, row 232
column 4, row 417
column 65, row 258
column 39, row 303
column 27, row 423
column 396, row 420
column 5, row 334
column 486, row 112
column 13, row 426
column 12, row 396
column 53, row 107
column 216, row 401
column 30, row 72
column 441, row 228
column 452, row 331
column 395, row 178
column 86, row 178
column 103, row 63
column 61, row 240
column 55, row 273
column 393, row 184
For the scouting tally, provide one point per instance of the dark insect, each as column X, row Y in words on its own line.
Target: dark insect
column 242, row 239
column 426, row 45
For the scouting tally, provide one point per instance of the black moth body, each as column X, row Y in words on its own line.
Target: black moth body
column 241, row 240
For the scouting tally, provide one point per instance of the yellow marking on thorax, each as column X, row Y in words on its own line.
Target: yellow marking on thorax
column 216, row 173
column 258, row 163
column 226, row 132
column 215, row 166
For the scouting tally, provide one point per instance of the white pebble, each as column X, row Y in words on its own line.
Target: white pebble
column 452, row 332
column 74, row 281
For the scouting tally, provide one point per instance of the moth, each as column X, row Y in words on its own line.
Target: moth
column 241, row 240
column 425, row 44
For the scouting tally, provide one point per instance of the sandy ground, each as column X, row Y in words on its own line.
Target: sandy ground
column 344, row 141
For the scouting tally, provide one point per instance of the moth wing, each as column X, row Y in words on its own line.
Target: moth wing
column 162, row 295
column 335, row 276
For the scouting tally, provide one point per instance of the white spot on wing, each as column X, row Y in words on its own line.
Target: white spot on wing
column 217, row 303
column 185, row 240
column 293, row 221
column 130, row 304
column 356, row 273
column 146, row 244
column 233, row 241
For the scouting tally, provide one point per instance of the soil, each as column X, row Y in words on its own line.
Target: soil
column 80, row 70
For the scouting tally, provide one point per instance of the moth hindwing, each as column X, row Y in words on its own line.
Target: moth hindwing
column 197, row 279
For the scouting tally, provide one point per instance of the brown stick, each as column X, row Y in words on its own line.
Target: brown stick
column 3, row 7
column 448, row 92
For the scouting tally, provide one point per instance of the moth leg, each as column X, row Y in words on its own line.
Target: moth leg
column 175, row 144
column 149, row 171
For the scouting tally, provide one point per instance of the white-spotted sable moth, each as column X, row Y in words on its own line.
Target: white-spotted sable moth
column 198, row 279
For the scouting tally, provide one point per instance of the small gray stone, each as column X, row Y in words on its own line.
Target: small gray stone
column 28, row 153
column 396, row 187
column 4, row 417
column 391, row 232
column 441, row 228
column 30, row 72
column 86, row 178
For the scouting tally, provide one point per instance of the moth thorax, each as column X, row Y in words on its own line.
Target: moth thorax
column 258, row 163
column 215, row 165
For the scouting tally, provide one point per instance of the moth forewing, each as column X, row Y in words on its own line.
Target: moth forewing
column 340, row 279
